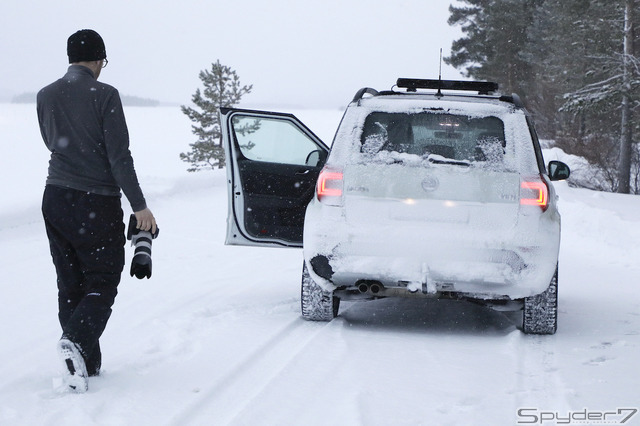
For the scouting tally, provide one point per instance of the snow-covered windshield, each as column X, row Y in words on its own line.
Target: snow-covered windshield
column 438, row 137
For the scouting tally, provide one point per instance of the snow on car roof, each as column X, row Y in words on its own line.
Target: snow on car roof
column 472, row 106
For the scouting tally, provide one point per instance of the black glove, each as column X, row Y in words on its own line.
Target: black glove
column 141, row 262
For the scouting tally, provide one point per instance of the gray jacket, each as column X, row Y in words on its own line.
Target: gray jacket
column 83, row 125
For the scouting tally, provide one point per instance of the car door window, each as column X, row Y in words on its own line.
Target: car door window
column 273, row 162
column 273, row 141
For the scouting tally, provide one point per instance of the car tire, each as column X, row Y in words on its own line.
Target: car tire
column 317, row 303
column 540, row 312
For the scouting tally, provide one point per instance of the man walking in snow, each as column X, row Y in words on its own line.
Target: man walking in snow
column 83, row 125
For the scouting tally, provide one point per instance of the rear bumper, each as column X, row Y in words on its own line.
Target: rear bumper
column 431, row 259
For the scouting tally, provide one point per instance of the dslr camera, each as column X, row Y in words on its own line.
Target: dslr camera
column 141, row 240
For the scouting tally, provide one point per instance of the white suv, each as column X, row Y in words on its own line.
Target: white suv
column 423, row 194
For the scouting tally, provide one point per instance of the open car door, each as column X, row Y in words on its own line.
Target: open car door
column 273, row 162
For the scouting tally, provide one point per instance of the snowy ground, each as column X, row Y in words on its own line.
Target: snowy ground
column 215, row 337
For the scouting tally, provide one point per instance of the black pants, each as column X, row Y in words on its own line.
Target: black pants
column 86, row 237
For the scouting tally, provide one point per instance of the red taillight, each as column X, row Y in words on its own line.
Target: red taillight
column 534, row 193
column 329, row 187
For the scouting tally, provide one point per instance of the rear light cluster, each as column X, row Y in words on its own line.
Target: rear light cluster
column 330, row 186
column 534, row 193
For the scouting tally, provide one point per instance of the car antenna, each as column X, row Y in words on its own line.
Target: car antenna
column 439, row 94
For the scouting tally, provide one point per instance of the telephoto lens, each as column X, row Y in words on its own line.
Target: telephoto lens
column 141, row 240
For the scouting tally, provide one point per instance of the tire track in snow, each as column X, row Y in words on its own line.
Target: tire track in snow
column 160, row 340
column 539, row 382
column 226, row 399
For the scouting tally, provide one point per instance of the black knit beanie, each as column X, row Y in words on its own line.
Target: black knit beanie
column 85, row 45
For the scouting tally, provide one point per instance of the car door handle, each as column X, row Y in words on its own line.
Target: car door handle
column 302, row 172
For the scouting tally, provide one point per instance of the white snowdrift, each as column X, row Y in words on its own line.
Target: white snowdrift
column 215, row 337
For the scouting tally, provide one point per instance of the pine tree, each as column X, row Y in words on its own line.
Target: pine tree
column 559, row 43
column 571, row 47
column 611, row 89
column 576, row 66
column 496, row 35
column 628, row 80
column 221, row 89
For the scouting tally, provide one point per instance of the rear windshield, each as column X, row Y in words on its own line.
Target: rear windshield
column 437, row 136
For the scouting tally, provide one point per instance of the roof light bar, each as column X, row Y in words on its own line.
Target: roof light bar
column 482, row 87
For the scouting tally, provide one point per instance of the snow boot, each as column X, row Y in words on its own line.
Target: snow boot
column 93, row 361
column 74, row 369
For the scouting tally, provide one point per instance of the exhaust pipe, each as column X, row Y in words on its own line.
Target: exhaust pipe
column 370, row 287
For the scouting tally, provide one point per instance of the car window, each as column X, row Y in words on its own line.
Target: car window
column 453, row 137
column 536, row 146
column 273, row 140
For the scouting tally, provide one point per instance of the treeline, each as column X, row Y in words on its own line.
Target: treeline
column 30, row 98
column 575, row 63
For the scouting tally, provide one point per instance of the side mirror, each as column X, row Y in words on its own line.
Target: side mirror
column 558, row 170
column 316, row 158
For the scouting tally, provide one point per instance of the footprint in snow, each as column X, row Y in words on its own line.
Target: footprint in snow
column 598, row 361
column 602, row 345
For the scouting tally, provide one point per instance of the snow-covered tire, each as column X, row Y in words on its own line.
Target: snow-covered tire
column 317, row 304
column 540, row 314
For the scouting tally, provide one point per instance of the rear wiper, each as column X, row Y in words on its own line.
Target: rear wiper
column 438, row 159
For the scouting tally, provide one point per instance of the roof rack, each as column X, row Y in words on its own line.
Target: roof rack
column 514, row 99
column 365, row 90
column 482, row 87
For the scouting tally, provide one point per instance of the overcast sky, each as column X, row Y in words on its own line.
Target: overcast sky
column 315, row 53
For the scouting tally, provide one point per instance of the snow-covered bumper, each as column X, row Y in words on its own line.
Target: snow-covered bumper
column 432, row 258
